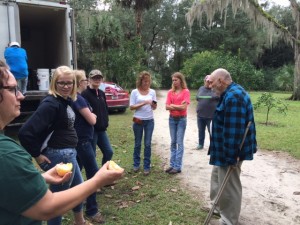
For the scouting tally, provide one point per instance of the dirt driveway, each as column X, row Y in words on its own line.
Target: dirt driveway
column 271, row 182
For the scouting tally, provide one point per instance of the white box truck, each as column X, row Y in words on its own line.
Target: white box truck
column 45, row 29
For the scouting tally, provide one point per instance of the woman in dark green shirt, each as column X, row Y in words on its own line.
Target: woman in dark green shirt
column 24, row 194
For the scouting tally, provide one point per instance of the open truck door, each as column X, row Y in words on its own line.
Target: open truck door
column 45, row 29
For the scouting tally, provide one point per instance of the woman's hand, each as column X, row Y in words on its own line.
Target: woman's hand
column 51, row 177
column 148, row 102
column 154, row 105
column 104, row 176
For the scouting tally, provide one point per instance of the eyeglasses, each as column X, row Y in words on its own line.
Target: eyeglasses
column 13, row 89
column 63, row 84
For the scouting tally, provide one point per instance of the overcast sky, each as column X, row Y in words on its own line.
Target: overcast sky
column 282, row 2
column 279, row 2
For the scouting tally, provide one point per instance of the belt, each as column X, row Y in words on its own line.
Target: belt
column 178, row 117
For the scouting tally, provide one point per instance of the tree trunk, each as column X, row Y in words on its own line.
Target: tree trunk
column 296, row 91
column 138, row 22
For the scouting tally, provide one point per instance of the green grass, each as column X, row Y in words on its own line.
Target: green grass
column 283, row 133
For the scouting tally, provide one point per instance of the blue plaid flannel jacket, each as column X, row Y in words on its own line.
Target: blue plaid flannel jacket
column 231, row 117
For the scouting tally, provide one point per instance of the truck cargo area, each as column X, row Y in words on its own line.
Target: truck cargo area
column 43, row 35
column 45, row 30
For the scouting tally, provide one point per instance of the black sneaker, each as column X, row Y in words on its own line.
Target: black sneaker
column 168, row 170
column 174, row 171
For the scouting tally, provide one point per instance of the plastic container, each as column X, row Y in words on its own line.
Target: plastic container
column 43, row 79
column 51, row 74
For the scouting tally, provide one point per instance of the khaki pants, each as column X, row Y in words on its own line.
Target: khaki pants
column 231, row 199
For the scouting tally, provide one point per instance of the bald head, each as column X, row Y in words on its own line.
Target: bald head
column 222, row 74
column 219, row 80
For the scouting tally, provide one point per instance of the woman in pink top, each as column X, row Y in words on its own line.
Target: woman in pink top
column 178, row 99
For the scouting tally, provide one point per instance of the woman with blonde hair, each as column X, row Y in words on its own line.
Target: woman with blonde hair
column 178, row 99
column 143, row 101
column 84, row 126
column 49, row 134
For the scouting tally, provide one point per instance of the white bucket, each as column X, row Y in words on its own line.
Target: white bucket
column 52, row 72
column 43, row 79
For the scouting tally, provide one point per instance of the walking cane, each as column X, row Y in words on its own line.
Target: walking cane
column 227, row 175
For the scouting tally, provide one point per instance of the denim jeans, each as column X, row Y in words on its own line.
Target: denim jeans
column 22, row 84
column 56, row 156
column 202, row 124
column 139, row 129
column 177, row 129
column 101, row 139
column 86, row 155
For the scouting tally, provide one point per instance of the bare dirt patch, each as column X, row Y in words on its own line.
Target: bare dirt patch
column 271, row 182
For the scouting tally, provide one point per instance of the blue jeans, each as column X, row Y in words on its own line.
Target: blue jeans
column 177, row 129
column 22, row 84
column 138, row 129
column 86, row 155
column 101, row 139
column 56, row 156
column 202, row 124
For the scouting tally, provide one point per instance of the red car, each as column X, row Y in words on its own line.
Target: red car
column 116, row 97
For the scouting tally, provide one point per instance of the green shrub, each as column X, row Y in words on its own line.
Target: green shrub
column 242, row 71
column 284, row 78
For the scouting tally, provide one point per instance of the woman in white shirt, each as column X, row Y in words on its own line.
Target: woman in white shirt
column 143, row 101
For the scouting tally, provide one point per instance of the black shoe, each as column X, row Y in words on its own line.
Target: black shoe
column 174, row 171
column 168, row 170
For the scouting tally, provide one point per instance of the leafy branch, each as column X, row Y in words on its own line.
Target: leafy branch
column 270, row 102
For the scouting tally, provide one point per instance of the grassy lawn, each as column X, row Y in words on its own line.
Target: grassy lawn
column 283, row 133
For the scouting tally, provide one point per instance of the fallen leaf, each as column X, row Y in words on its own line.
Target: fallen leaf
column 142, row 194
column 123, row 205
column 108, row 196
column 135, row 188
column 139, row 183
